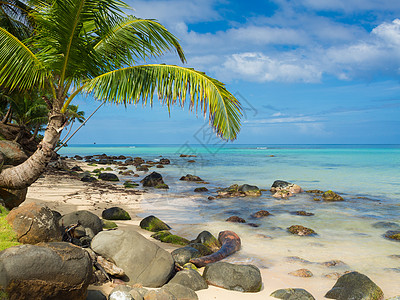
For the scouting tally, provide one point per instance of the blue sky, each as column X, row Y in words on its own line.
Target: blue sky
column 306, row 71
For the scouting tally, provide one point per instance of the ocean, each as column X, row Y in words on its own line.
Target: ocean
column 367, row 176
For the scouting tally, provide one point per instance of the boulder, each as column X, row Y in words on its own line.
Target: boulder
column 166, row 237
column 84, row 218
column 280, row 185
column 59, row 271
column 165, row 161
column 201, row 189
column 180, row 292
column 142, row 168
column 208, row 240
column 76, row 169
column 34, row 223
column 301, row 230
column 292, row 294
column 261, row 214
column 302, row 213
column 108, row 177
column 331, row 196
column 12, row 153
column 152, row 223
column 392, row 235
column 12, row 198
column 161, row 294
column 124, row 292
column 115, row 213
column 152, row 180
column 235, row 219
column 242, row 278
column 95, row 295
column 250, row 190
column 190, row 177
column 355, row 285
column 143, row 261
column 110, row 267
column 182, row 255
column 191, row 279
column 240, row 191
column 88, row 178
column 203, row 249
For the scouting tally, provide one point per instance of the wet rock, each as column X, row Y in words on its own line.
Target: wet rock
column 159, row 166
column 130, row 184
column 242, row 278
column 293, row 259
column 331, row 196
column 152, row 180
column 250, row 190
column 190, row 177
column 191, row 279
column 34, row 223
column 201, row 189
column 292, row 294
column 45, row 271
column 88, row 178
column 108, row 177
column 301, row 230
column 180, row 291
column 355, row 285
column 153, row 266
column 302, row 273
column 108, row 224
column 142, row 168
column 386, row 225
column 315, row 191
column 182, row 255
column 167, row 237
column 392, row 235
column 211, row 198
column 138, row 160
column 95, row 295
column 187, row 155
column 303, row 213
column 207, row 239
column 333, row 275
column 334, row 263
column 285, row 187
column 84, row 218
column 162, row 186
column 191, row 161
column 261, row 214
column 76, row 169
column 152, row 223
column 236, row 219
column 203, row 249
column 239, row 191
column 282, row 194
column 115, row 213
column 165, row 161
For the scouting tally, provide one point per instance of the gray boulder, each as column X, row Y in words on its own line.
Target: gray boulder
column 355, row 285
column 124, row 292
column 161, row 294
column 292, row 294
column 242, row 278
column 191, row 279
column 115, row 213
column 59, row 271
column 180, row 292
column 182, row 255
column 83, row 217
column 108, row 177
column 143, row 261
column 250, row 190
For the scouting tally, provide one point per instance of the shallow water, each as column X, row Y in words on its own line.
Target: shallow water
column 368, row 177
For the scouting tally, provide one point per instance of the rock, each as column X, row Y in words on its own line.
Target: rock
column 161, row 294
column 45, row 271
column 250, row 190
column 331, row 196
column 182, row 255
column 159, row 166
column 190, row 177
column 84, row 218
column 166, row 237
column 130, row 184
column 115, row 213
column 302, row 273
column 12, row 198
column 76, row 169
column 392, row 235
column 208, row 240
column 303, row 213
column 292, row 294
column 142, row 168
column 121, row 292
column 282, row 194
column 180, row 292
column 34, row 223
column 191, row 279
column 187, row 155
column 108, row 177
column 165, row 161
column 152, row 223
column 110, row 267
column 201, row 189
column 95, row 295
column 242, row 278
column 152, row 180
column 355, row 285
column 280, row 185
column 12, row 153
column 315, row 191
column 162, row 186
column 235, row 219
column 88, row 178
column 301, row 230
column 261, row 214
column 152, row 265
column 211, row 198
column 203, row 249
column 333, row 263
column 296, row 259
column 386, row 225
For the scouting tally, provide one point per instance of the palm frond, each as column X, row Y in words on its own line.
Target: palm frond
column 174, row 85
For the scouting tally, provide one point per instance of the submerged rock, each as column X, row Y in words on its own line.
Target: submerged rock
column 386, row 225
column 201, row 189
column 190, row 177
column 331, row 196
column 301, row 230
column 240, row 191
column 392, row 235
column 152, row 180
column 287, row 187
column 261, row 214
column 152, row 223
column 250, row 190
column 292, row 294
column 302, row 273
column 236, row 219
column 303, row 213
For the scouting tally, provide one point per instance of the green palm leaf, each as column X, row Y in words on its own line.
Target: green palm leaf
column 174, row 85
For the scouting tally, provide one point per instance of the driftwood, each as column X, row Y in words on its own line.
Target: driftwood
column 230, row 242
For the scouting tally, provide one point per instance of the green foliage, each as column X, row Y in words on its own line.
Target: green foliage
column 8, row 237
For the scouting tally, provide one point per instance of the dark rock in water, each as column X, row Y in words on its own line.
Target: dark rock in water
column 334, row 263
column 253, row 225
column 88, row 178
column 285, row 187
column 207, row 239
column 152, row 180
column 159, row 166
column 250, row 190
column 240, row 191
column 45, row 271
column 293, row 259
column 203, row 249
column 162, row 186
column 166, row 237
column 142, row 168
column 138, row 160
column 302, row 273
column 34, row 223
column 115, row 213
column 84, row 218
column 301, row 230
column 108, row 177
column 180, row 291
column 242, row 278
column 190, row 177
column 211, row 198
column 77, row 169
column 191, row 279
column 187, row 155
column 315, row 191
column 130, row 185
column 355, row 286
column 303, row 213
column 392, row 235
column 152, row 223
column 201, row 189
column 165, row 161
column 182, row 255
column 78, row 157
column 143, row 261
column 12, row 198
column 292, row 294
column 331, row 196
column 261, row 214
column 386, row 225
column 236, row 219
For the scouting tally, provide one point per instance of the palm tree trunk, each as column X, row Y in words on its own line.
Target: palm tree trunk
column 7, row 116
column 35, row 133
column 28, row 172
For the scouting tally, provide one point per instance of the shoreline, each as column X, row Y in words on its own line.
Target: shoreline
column 67, row 193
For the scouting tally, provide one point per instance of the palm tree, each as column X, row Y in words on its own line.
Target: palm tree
column 73, row 114
column 92, row 47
